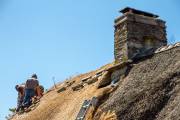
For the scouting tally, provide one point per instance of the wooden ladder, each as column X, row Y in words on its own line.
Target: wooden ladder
column 84, row 108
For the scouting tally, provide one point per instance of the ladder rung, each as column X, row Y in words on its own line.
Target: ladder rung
column 80, row 118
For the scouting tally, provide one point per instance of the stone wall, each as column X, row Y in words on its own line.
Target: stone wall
column 120, row 41
column 136, row 33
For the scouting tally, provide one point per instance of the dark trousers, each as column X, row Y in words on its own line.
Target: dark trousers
column 29, row 93
column 19, row 103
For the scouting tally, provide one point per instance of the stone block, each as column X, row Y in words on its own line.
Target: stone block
column 85, row 79
column 117, row 74
column 92, row 80
column 77, row 87
column 145, row 20
column 104, row 80
column 177, row 44
column 69, row 83
column 61, row 89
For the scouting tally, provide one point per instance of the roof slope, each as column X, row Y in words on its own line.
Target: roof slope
column 150, row 91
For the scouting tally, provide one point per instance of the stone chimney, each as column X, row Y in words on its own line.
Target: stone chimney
column 137, row 32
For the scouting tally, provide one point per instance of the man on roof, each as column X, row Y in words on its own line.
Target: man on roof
column 30, row 90
column 20, row 89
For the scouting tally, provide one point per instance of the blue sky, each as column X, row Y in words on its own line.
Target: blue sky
column 63, row 37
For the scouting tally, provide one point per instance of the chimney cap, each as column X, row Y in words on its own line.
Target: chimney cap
column 135, row 11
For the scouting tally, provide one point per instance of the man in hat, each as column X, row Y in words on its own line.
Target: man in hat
column 20, row 89
column 30, row 88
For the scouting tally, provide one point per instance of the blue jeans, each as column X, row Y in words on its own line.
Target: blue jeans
column 29, row 93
